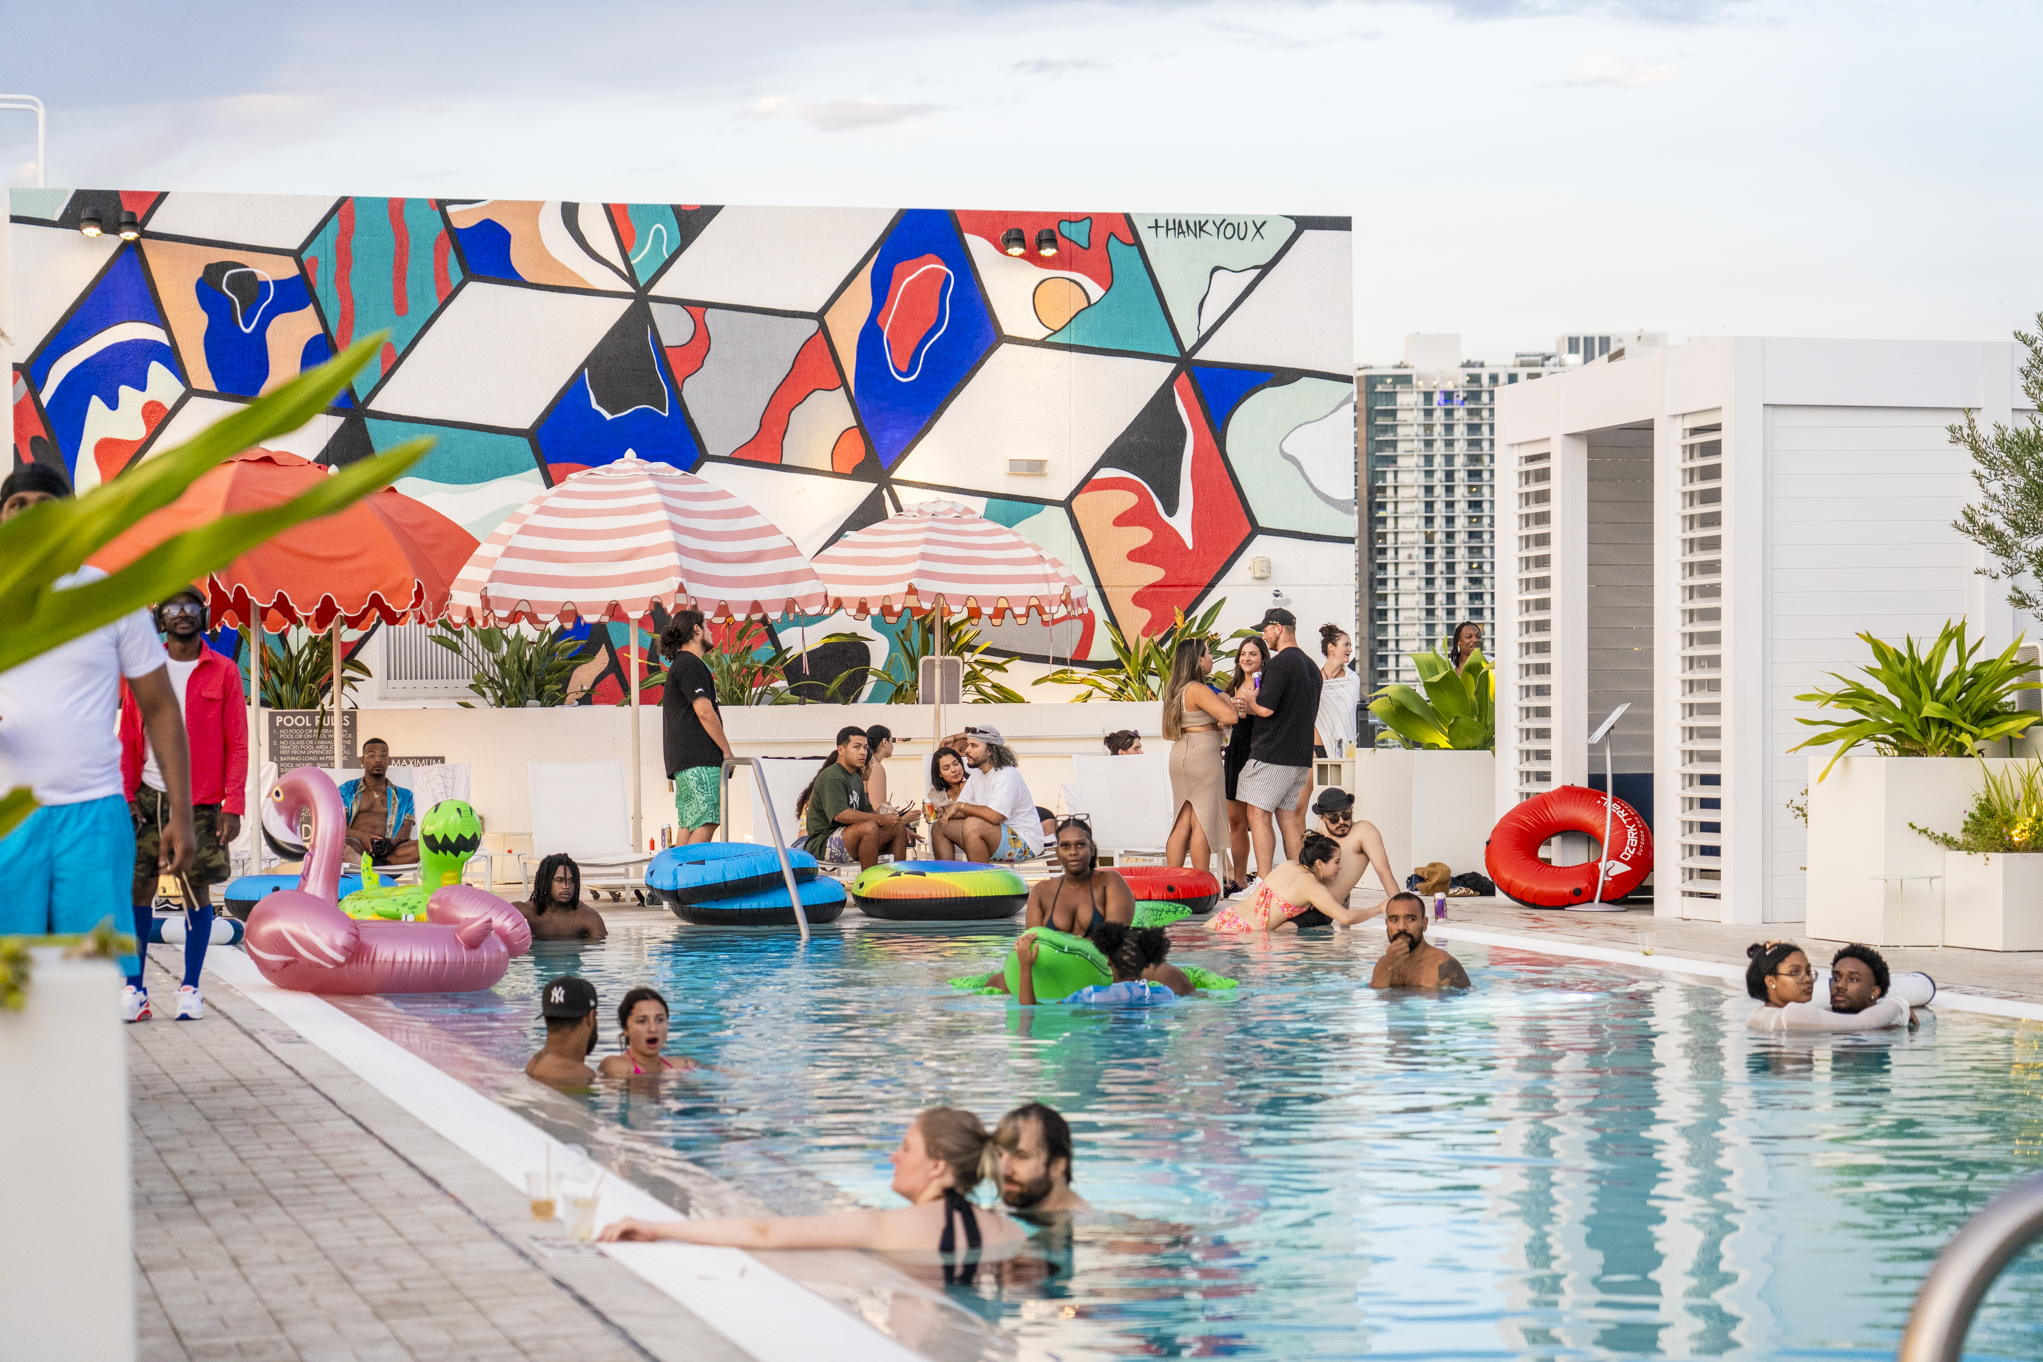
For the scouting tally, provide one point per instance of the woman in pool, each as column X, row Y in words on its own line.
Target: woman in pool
column 1293, row 895
column 1082, row 900
column 942, row 1157
column 1783, row 979
column 1134, row 954
column 642, row 1022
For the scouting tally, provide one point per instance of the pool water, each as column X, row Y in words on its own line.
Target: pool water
column 1574, row 1161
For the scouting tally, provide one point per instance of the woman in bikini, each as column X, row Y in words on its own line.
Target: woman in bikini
column 1286, row 895
column 944, row 1155
column 642, row 1022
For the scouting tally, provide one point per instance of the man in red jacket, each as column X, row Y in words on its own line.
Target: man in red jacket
column 209, row 691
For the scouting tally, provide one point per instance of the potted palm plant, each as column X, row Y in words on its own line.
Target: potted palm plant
column 1993, row 864
column 1433, row 794
column 1932, row 716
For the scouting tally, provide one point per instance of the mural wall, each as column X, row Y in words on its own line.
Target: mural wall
column 1160, row 401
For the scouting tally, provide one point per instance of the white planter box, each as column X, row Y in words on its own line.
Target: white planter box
column 67, row 1284
column 1993, row 903
column 1858, row 832
column 1429, row 806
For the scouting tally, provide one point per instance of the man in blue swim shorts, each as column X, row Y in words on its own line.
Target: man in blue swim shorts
column 67, row 867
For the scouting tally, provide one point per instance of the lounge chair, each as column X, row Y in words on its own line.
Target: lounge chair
column 584, row 809
column 1126, row 799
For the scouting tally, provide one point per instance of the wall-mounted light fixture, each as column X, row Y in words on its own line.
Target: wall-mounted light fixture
column 1259, row 569
column 1013, row 242
column 90, row 224
column 1046, row 242
column 131, row 226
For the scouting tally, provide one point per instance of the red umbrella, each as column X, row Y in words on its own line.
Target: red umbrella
column 387, row 557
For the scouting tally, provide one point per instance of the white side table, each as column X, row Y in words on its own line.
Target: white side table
column 1893, row 902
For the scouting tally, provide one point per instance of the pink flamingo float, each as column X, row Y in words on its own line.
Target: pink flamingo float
column 300, row 939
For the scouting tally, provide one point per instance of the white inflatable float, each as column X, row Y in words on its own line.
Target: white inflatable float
column 1904, row 992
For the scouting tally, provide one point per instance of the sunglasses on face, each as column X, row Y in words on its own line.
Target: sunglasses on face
column 181, row 608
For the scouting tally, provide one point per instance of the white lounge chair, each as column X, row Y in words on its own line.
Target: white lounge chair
column 1126, row 799
column 583, row 808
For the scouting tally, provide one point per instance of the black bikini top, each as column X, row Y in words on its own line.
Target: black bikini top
column 956, row 1208
column 1092, row 902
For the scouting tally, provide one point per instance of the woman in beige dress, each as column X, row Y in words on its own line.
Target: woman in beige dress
column 1193, row 717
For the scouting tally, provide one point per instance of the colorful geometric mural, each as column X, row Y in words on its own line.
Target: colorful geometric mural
column 1158, row 400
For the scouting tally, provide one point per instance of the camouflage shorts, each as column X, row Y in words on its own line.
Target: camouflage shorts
column 151, row 809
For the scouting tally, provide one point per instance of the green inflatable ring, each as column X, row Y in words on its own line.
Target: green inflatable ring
column 1064, row 965
column 1154, row 913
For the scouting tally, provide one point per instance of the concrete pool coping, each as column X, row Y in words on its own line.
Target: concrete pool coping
column 763, row 1311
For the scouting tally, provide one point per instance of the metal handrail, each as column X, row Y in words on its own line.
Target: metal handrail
column 1965, row 1271
column 794, row 896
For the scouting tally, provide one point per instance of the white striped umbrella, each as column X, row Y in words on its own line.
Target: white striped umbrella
column 942, row 556
column 609, row 542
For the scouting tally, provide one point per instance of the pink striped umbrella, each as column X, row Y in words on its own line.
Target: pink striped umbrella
column 608, row 542
column 939, row 552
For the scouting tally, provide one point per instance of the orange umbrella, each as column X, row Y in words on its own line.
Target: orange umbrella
column 386, row 557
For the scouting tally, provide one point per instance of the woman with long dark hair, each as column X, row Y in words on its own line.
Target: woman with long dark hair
column 556, row 911
column 1193, row 717
column 1468, row 639
column 1340, row 693
column 1249, row 660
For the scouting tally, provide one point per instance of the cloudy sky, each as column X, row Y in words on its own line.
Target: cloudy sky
column 1515, row 168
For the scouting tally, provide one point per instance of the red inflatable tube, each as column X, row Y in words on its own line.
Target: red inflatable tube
column 1196, row 889
column 1513, row 855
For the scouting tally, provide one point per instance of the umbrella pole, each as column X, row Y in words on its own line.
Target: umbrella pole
column 637, row 807
column 253, row 817
column 936, row 620
column 337, row 758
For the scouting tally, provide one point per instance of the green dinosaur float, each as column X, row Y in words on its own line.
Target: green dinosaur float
column 449, row 835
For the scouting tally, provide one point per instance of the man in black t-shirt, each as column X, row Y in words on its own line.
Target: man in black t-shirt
column 1285, row 701
column 692, row 728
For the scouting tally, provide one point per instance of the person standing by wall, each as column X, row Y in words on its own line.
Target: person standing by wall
column 67, row 866
column 692, row 729
column 209, row 693
column 1193, row 718
column 1248, row 660
column 1468, row 640
column 1279, row 770
column 1340, row 690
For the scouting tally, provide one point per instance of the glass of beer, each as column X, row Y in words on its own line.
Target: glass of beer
column 542, row 1188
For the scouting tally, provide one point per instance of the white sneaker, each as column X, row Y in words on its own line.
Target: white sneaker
column 134, row 1004
column 190, row 1006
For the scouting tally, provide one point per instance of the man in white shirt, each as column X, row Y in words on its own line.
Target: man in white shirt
column 66, row 868
column 994, row 817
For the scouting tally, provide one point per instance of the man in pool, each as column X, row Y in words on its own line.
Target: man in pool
column 1412, row 961
column 1035, row 1163
column 1858, row 979
column 569, row 1005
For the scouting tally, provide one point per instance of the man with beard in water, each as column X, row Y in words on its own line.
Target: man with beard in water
column 1412, row 961
column 569, row 1005
column 1035, row 1163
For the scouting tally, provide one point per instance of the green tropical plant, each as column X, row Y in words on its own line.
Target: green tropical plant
column 2006, row 816
column 1457, row 712
column 2007, row 463
column 49, row 540
column 917, row 640
column 297, row 672
column 1911, row 703
column 1140, row 669
column 512, row 669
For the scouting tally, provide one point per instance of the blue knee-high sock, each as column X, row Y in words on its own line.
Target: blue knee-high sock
column 198, row 934
column 145, row 913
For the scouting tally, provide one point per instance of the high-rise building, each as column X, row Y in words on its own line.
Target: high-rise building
column 1429, row 502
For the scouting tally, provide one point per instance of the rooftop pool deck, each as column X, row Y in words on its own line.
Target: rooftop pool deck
column 1581, row 1159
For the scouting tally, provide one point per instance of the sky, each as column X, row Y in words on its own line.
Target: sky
column 1516, row 169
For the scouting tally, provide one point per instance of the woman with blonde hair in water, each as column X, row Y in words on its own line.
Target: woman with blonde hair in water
column 944, row 1154
column 1193, row 717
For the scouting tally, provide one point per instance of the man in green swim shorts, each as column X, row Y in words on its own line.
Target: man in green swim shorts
column 692, row 728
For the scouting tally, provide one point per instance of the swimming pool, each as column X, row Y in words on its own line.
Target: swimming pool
column 1576, row 1161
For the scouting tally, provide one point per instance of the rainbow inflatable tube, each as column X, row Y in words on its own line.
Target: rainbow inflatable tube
column 939, row 891
column 300, row 939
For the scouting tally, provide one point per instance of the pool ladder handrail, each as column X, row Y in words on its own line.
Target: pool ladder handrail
column 794, row 896
column 1965, row 1271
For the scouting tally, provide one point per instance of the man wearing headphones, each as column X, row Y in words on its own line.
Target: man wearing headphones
column 209, row 694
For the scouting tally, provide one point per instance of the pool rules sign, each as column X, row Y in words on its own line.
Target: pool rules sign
column 304, row 737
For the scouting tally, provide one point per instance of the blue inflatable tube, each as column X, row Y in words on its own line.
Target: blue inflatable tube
column 719, row 870
column 822, row 901
column 241, row 896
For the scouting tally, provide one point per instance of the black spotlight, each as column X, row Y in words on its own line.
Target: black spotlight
column 1013, row 242
column 90, row 224
column 131, row 226
column 1046, row 242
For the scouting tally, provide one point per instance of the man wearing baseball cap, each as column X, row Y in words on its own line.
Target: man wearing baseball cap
column 1285, row 701
column 569, row 1005
column 1361, row 848
column 994, row 817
